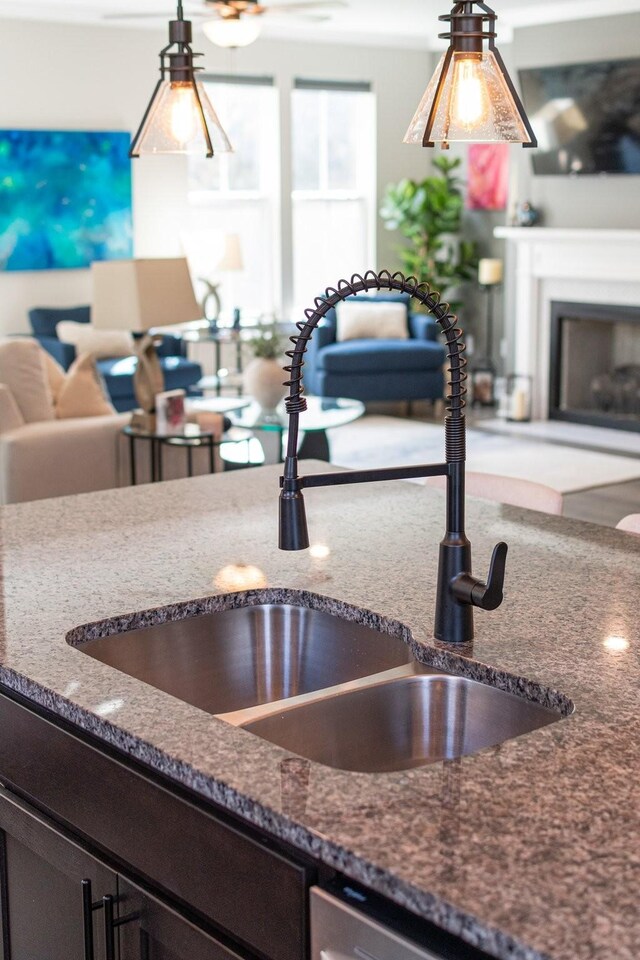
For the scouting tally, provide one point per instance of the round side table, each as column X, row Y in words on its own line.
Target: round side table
column 191, row 438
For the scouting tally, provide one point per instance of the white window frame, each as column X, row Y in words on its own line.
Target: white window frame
column 367, row 196
column 270, row 199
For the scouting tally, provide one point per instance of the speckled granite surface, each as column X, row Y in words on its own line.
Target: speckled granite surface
column 529, row 850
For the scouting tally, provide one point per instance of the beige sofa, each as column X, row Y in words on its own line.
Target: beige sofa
column 42, row 456
column 53, row 458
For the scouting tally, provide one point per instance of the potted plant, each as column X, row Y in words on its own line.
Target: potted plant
column 429, row 215
column 264, row 377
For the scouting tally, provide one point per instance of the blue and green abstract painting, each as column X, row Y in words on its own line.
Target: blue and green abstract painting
column 65, row 199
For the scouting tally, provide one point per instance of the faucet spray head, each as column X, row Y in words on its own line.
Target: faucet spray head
column 293, row 532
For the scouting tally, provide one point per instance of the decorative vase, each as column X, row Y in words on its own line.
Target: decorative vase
column 148, row 377
column 263, row 380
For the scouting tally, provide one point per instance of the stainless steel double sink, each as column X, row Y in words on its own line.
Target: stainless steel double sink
column 332, row 690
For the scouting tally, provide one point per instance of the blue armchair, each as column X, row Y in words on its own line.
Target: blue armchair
column 179, row 371
column 375, row 369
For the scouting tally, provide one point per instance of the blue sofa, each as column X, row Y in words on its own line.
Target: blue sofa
column 374, row 369
column 179, row 371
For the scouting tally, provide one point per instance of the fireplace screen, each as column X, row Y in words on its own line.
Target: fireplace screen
column 595, row 364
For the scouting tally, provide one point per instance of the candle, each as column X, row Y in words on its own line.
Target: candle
column 489, row 272
column 519, row 405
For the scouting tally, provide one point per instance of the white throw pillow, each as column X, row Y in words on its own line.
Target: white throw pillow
column 101, row 344
column 364, row 321
column 83, row 393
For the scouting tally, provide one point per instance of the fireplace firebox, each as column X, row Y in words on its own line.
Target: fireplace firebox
column 595, row 364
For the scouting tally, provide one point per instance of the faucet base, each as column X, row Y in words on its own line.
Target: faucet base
column 454, row 620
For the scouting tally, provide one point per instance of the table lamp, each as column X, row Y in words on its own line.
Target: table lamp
column 138, row 295
column 230, row 262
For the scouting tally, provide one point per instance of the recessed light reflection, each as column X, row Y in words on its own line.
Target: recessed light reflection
column 616, row 644
column 109, row 707
column 239, row 576
column 319, row 551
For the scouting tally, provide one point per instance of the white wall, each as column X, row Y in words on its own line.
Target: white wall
column 86, row 77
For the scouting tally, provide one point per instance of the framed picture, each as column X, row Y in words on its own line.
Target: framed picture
column 65, row 199
column 171, row 415
column 488, row 176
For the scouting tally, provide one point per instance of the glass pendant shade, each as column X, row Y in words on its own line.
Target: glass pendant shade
column 475, row 104
column 470, row 97
column 179, row 118
column 232, row 32
column 176, row 125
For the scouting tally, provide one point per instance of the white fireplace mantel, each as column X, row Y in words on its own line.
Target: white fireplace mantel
column 545, row 264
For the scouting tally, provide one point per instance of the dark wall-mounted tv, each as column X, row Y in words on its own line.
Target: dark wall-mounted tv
column 586, row 117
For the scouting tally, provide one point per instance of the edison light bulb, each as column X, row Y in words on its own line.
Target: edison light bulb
column 183, row 118
column 470, row 103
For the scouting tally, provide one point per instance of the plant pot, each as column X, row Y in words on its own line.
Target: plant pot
column 264, row 381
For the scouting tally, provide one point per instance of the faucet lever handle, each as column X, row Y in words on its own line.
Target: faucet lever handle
column 487, row 596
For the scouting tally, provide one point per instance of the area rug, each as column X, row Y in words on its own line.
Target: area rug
column 379, row 441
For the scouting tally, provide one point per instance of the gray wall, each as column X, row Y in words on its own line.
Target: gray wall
column 592, row 201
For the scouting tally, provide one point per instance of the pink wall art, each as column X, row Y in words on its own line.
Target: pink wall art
column 488, row 176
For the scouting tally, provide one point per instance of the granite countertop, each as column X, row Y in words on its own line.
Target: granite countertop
column 528, row 850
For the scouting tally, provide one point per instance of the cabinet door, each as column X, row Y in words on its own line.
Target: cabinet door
column 48, row 885
column 150, row 930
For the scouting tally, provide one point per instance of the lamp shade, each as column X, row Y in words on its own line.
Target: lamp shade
column 137, row 295
column 232, row 257
column 178, row 120
column 471, row 97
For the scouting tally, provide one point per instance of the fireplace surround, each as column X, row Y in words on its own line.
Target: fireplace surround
column 547, row 265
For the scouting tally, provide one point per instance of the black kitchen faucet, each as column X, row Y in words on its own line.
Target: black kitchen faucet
column 458, row 591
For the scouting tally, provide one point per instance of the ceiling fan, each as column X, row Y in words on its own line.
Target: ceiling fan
column 237, row 23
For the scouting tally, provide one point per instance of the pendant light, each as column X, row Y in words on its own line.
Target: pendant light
column 471, row 97
column 179, row 118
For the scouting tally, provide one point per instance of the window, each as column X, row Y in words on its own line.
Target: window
column 334, row 180
column 238, row 194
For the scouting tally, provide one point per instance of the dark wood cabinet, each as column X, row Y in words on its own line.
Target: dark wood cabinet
column 58, row 902
column 231, row 878
column 45, row 884
column 158, row 932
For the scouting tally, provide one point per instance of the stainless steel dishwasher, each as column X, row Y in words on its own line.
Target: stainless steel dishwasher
column 340, row 930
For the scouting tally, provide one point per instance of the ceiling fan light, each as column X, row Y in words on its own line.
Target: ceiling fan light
column 231, row 32
column 470, row 98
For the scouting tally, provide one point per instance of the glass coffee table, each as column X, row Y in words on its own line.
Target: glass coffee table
column 270, row 431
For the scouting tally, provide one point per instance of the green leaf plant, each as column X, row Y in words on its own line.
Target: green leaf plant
column 267, row 342
column 428, row 214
